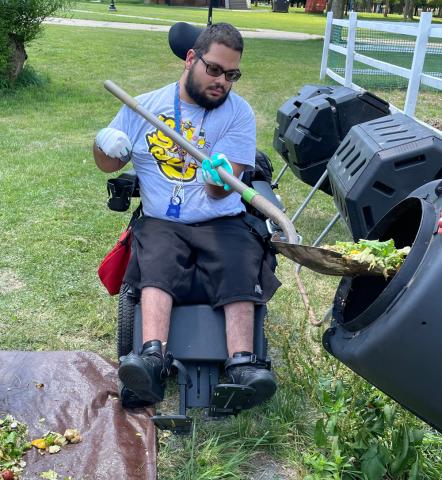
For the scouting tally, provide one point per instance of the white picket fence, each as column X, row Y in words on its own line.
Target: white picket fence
column 421, row 31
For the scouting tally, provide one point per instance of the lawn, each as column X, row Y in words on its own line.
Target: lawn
column 56, row 228
column 160, row 14
column 296, row 20
column 55, row 221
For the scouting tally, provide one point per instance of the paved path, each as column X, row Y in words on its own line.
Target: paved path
column 258, row 33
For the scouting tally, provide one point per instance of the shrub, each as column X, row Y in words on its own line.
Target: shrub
column 21, row 22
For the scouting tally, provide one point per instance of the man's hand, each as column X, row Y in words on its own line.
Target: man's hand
column 114, row 143
column 210, row 175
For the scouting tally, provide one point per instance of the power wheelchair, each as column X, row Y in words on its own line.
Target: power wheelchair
column 197, row 338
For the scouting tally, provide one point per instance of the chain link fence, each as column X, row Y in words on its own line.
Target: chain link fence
column 387, row 52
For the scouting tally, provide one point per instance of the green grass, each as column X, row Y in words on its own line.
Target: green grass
column 56, row 228
column 258, row 17
column 54, row 218
column 295, row 21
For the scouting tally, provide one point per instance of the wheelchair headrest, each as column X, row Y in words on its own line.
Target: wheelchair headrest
column 182, row 37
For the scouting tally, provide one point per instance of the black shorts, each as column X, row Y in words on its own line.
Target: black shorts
column 216, row 262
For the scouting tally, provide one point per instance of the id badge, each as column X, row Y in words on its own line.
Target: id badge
column 173, row 210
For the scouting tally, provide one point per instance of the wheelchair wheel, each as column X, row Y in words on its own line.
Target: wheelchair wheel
column 126, row 314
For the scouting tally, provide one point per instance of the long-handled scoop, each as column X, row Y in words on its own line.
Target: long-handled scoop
column 328, row 262
column 317, row 259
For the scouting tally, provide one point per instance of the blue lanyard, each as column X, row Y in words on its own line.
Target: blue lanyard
column 177, row 108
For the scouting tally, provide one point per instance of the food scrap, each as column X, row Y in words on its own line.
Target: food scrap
column 53, row 441
column 72, row 435
column 49, row 475
column 14, row 443
column 377, row 254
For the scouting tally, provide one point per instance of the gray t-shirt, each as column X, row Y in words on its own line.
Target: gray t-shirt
column 229, row 129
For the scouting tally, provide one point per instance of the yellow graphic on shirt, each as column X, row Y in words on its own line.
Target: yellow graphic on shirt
column 167, row 154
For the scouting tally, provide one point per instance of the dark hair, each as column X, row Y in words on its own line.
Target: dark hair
column 223, row 33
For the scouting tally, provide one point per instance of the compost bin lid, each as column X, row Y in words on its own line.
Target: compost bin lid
column 53, row 391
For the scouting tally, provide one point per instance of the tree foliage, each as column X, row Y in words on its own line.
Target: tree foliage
column 21, row 22
column 435, row 4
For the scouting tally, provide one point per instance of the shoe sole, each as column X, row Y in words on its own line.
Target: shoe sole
column 132, row 373
column 265, row 388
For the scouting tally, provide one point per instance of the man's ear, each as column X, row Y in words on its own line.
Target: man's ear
column 191, row 57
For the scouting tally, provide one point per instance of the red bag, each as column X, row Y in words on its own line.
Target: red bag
column 113, row 267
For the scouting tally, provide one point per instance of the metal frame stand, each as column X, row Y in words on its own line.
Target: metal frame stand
column 306, row 201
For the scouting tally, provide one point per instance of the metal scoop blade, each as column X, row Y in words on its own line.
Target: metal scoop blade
column 326, row 261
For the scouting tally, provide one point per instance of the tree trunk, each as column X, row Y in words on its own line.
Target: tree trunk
column 329, row 6
column 18, row 57
column 338, row 8
column 408, row 9
column 386, row 8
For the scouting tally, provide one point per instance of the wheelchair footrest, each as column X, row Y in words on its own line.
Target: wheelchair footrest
column 178, row 424
column 229, row 399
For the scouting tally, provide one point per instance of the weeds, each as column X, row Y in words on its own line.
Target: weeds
column 356, row 432
column 210, row 457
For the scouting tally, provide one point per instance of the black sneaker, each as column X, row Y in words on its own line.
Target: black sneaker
column 245, row 369
column 145, row 374
column 129, row 399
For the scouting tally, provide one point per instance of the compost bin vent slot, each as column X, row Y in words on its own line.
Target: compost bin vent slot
column 358, row 167
column 378, row 122
column 384, row 189
column 409, row 162
column 368, row 217
column 341, row 149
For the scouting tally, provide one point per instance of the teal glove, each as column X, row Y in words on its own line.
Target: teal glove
column 209, row 166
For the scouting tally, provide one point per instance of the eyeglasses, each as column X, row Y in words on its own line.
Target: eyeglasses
column 215, row 70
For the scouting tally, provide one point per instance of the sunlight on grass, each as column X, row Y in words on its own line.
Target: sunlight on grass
column 295, row 21
column 261, row 17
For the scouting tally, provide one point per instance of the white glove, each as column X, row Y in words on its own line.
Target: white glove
column 114, row 143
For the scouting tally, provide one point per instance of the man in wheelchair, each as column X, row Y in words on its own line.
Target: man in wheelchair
column 193, row 225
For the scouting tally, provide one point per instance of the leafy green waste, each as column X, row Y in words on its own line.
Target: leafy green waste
column 14, row 443
column 377, row 254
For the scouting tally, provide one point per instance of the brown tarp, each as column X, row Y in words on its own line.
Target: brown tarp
column 59, row 390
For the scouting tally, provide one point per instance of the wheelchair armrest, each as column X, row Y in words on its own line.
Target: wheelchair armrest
column 121, row 190
column 265, row 189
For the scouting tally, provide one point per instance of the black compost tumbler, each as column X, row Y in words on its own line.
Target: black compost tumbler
column 389, row 331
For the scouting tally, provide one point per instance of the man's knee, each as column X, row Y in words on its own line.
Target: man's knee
column 239, row 310
column 155, row 293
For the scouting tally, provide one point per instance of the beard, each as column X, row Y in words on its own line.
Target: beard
column 197, row 94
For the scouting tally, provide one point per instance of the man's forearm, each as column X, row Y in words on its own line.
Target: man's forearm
column 216, row 192
column 105, row 163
